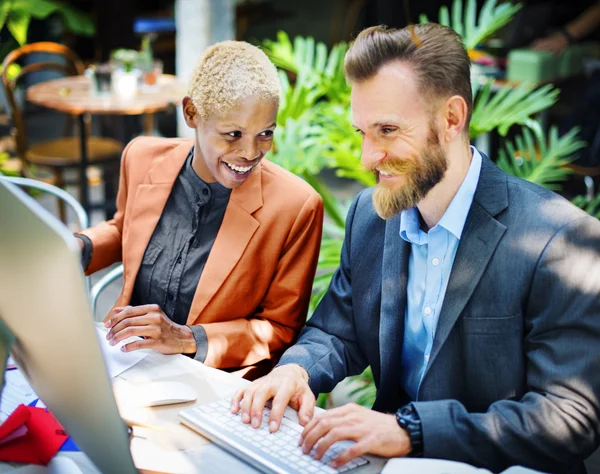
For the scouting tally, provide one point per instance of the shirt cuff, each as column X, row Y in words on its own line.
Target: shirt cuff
column 86, row 254
column 201, row 343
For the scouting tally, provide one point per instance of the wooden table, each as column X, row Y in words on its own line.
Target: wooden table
column 73, row 95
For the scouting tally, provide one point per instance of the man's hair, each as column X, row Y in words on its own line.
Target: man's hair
column 435, row 53
column 229, row 72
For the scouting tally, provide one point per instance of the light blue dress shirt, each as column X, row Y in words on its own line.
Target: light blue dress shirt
column 430, row 262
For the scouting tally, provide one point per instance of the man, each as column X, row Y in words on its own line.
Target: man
column 473, row 295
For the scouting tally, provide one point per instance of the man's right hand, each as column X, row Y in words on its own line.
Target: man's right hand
column 286, row 385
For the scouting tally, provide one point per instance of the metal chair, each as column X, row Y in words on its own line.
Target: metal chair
column 62, row 153
column 82, row 222
column 99, row 287
column 82, row 218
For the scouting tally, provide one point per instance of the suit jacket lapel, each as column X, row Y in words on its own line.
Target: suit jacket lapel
column 480, row 237
column 393, row 305
column 150, row 199
column 235, row 233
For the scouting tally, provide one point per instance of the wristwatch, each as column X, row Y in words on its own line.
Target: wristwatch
column 408, row 419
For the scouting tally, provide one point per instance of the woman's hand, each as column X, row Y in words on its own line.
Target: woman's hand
column 151, row 323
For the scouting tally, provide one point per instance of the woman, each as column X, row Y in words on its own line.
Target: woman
column 219, row 246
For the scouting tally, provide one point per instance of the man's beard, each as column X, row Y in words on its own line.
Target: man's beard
column 421, row 174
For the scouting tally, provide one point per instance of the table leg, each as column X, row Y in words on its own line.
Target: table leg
column 149, row 122
column 83, row 183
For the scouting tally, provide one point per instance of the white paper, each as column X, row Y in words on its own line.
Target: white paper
column 16, row 391
column 429, row 466
column 117, row 361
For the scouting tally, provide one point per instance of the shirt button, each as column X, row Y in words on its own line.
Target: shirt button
column 427, row 357
column 436, row 262
column 427, row 310
column 205, row 192
column 170, row 297
column 178, row 260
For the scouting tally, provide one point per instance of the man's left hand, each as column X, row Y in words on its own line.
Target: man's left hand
column 151, row 323
column 373, row 432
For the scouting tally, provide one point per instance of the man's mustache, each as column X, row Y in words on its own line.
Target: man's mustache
column 392, row 166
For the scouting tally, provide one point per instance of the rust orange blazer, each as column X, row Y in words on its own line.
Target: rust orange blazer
column 252, row 297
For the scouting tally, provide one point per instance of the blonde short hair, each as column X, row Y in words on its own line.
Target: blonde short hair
column 229, row 72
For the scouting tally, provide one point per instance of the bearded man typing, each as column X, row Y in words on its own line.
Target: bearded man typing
column 473, row 295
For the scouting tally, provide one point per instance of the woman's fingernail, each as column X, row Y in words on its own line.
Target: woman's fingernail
column 246, row 418
column 273, row 427
column 255, row 422
column 107, row 324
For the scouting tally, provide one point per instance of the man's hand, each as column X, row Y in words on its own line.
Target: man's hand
column 286, row 385
column 151, row 323
column 373, row 432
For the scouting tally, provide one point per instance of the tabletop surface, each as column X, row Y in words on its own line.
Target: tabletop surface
column 72, row 95
column 160, row 443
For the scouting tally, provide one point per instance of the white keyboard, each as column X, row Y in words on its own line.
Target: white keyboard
column 270, row 452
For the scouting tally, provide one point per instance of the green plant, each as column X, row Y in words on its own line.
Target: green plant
column 472, row 29
column 127, row 58
column 4, row 168
column 591, row 206
column 366, row 392
column 17, row 14
column 541, row 159
column 509, row 106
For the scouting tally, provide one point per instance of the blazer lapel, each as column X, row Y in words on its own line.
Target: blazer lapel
column 393, row 305
column 150, row 199
column 479, row 240
column 233, row 237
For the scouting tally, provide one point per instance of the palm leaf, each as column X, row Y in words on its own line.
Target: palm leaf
column 463, row 19
column 539, row 159
column 591, row 206
column 508, row 106
column 366, row 392
column 323, row 69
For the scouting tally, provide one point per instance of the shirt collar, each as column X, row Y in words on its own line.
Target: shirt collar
column 455, row 216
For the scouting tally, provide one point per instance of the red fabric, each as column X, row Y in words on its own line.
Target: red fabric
column 39, row 444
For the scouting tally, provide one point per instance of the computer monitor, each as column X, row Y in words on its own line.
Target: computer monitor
column 43, row 301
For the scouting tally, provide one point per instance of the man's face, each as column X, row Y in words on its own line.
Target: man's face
column 401, row 142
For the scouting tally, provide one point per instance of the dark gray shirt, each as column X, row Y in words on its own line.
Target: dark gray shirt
column 179, row 247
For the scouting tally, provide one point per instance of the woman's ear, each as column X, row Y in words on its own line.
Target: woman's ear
column 190, row 114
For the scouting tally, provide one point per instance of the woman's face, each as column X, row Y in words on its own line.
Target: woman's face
column 230, row 145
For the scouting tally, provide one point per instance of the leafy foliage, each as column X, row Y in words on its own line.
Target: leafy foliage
column 17, row 14
column 541, row 160
column 366, row 392
column 591, row 206
column 475, row 30
column 309, row 58
column 508, row 106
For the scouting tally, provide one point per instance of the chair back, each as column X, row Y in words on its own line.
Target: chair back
column 70, row 65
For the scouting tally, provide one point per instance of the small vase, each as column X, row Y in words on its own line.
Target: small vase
column 125, row 83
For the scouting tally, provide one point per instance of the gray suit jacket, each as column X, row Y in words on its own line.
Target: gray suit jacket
column 514, row 374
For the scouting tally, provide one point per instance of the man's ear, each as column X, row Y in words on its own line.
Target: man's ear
column 455, row 117
column 190, row 114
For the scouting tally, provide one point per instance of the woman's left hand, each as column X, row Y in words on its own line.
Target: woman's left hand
column 151, row 323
